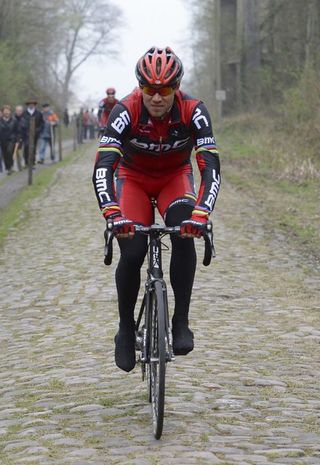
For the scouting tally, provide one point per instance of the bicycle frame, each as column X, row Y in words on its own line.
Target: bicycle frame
column 154, row 273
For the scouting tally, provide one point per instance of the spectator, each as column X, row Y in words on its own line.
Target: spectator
column 47, row 135
column 92, row 123
column 66, row 119
column 32, row 112
column 85, row 123
column 79, row 121
column 21, row 132
column 8, row 135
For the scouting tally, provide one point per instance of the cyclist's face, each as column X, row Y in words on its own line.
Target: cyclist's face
column 111, row 97
column 158, row 105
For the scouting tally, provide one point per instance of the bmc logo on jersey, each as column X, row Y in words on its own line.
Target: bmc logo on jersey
column 214, row 189
column 121, row 121
column 199, row 118
column 101, row 185
column 109, row 140
column 152, row 147
column 206, row 141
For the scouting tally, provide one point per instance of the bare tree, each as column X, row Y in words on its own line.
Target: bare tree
column 201, row 43
column 47, row 41
column 87, row 28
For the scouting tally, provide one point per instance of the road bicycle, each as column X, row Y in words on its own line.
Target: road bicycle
column 153, row 330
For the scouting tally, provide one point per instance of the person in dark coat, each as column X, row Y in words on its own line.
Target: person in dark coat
column 31, row 111
column 66, row 119
column 8, row 136
column 21, row 133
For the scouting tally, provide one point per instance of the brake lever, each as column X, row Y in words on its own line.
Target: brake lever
column 209, row 250
column 108, row 248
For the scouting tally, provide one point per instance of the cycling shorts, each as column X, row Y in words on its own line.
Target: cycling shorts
column 134, row 191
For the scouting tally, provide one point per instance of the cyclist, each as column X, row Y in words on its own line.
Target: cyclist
column 148, row 143
column 105, row 107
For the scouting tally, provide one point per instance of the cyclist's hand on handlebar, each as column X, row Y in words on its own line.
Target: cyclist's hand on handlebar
column 122, row 227
column 195, row 226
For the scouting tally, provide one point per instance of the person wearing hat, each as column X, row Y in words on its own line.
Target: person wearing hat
column 32, row 111
column 47, row 134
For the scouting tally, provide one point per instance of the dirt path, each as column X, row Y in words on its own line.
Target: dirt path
column 11, row 186
column 248, row 393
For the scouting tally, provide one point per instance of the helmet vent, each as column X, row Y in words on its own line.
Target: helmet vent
column 159, row 66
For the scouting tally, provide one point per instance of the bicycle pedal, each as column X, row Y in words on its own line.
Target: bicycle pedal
column 139, row 340
column 170, row 357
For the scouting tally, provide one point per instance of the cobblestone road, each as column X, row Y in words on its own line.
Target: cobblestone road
column 248, row 394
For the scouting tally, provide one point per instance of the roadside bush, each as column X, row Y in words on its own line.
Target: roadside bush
column 301, row 106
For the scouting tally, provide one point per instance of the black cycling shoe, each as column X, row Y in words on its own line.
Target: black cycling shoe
column 125, row 353
column 182, row 339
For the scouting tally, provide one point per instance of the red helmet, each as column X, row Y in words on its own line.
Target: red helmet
column 159, row 66
column 110, row 90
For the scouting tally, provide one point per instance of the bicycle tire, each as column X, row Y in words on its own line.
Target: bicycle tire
column 157, row 364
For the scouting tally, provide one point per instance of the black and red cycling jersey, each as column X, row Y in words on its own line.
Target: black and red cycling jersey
column 105, row 108
column 134, row 143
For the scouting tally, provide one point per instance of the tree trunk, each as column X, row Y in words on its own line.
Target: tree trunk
column 312, row 34
column 252, row 50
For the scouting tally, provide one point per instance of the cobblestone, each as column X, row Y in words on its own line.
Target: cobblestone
column 247, row 395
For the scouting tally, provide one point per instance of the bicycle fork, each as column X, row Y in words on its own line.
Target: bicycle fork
column 154, row 274
column 143, row 331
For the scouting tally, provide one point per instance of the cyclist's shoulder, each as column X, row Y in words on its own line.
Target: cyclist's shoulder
column 132, row 103
column 102, row 102
column 186, row 104
column 133, row 99
column 186, row 99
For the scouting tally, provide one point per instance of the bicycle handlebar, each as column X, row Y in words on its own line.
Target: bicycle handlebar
column 209, row 250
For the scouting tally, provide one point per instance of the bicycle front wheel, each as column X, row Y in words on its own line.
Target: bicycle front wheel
column 157, row 364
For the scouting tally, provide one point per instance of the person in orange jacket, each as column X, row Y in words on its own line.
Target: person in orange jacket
column 47, row 135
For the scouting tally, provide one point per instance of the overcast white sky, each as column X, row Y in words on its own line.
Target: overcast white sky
column 147, row 23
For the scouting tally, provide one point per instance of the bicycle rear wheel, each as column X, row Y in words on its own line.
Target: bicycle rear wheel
column 157, row 365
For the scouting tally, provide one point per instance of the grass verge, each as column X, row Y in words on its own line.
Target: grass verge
column 17, row 212
column 261, row 162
